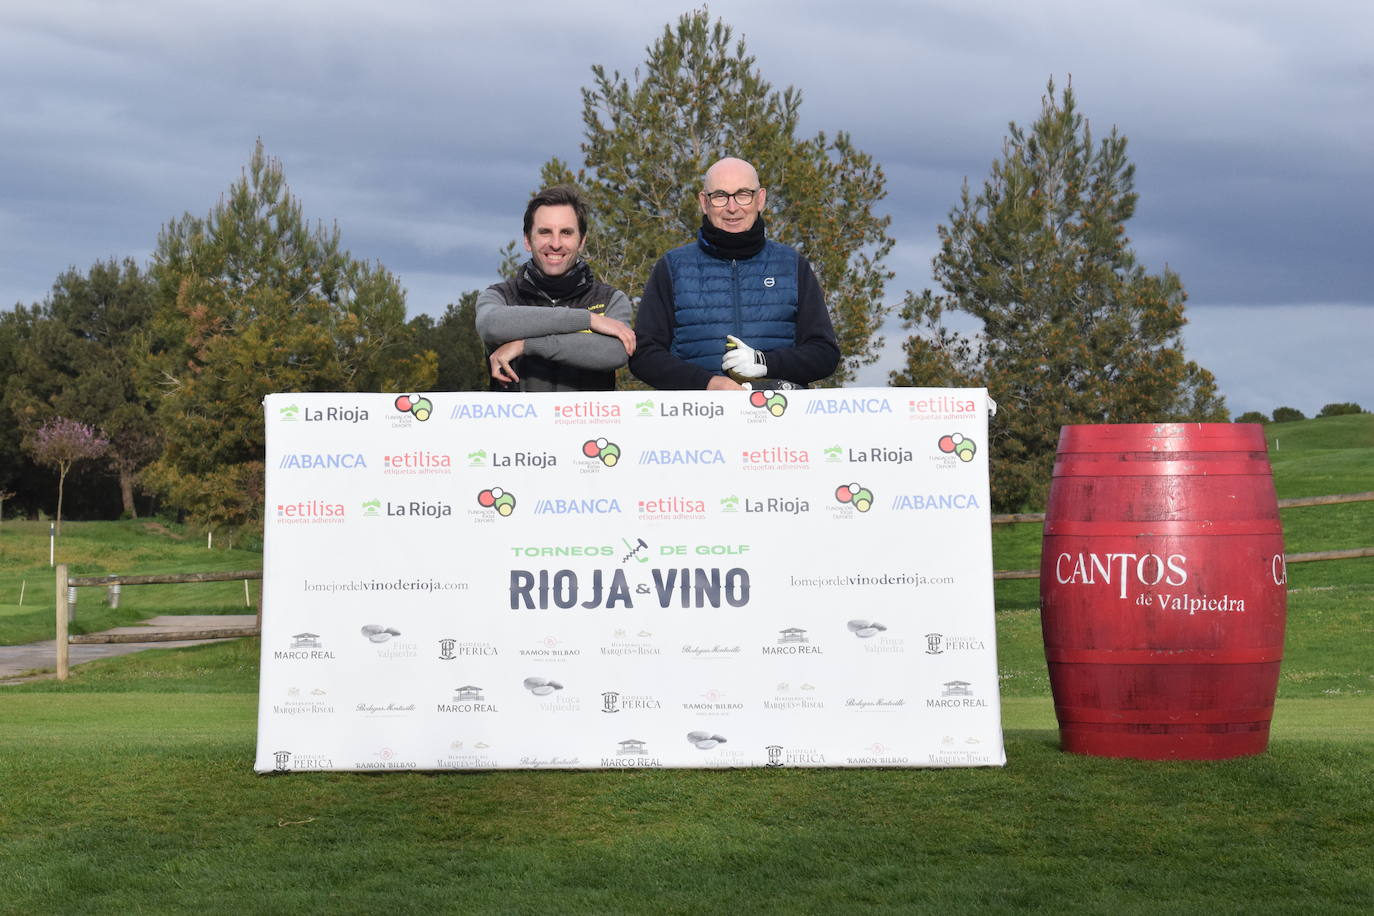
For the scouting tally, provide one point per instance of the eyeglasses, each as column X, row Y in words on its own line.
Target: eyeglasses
column 744, row 197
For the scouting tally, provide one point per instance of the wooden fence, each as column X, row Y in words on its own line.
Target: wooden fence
column 64, row 582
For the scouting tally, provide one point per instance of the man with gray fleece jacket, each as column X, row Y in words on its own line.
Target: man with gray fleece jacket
column 554, row 326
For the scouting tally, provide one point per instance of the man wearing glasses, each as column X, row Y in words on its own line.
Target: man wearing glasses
column 733, row 306
column 554, row 326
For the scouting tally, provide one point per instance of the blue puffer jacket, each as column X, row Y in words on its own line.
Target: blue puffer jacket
column 754, row 299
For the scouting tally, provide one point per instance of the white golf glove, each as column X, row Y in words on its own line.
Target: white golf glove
column 742, row 360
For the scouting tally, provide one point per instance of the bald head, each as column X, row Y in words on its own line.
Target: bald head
column 722, row 186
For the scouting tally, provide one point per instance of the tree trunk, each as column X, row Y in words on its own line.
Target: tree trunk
column 126, row 492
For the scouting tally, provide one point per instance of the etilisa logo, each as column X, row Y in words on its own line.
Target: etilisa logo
column 500, row 501
column 310, row 511
column 416, row 405
column 770, row 402
column 603, row 450
column 587, row 412
column 856, row 495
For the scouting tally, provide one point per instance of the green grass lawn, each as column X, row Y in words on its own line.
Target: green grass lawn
column 129, row 788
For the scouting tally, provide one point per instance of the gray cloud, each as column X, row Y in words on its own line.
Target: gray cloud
column 420, row 128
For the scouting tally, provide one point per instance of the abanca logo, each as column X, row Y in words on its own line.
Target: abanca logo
column 320, row 461
column 849, row 405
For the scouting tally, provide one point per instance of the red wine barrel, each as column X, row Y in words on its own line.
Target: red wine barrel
column 1163, row 590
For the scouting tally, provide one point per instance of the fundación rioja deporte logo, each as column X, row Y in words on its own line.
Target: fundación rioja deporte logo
column 606, row 451
column 959, row 445
column 856, row 495
column 772, row 402
column 417, row 406
column 497, row 499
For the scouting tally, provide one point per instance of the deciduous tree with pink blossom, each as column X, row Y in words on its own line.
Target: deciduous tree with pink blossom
column 61, row 443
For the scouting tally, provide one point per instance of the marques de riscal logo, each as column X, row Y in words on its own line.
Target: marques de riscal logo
column 416, row 405
column 856, row 495
column 502, row 502
column 603, row 450
column 958, row 445
column 772, row 402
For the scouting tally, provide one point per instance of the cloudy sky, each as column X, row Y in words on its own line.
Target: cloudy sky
column 420, row 127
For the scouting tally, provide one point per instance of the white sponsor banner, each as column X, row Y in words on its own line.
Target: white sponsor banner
column 628, row 579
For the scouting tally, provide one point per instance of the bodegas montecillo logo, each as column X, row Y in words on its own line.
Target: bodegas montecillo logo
column 768, row 401
column 416, row 405
column 856, row 495
column 603, row 450
column 500, row 501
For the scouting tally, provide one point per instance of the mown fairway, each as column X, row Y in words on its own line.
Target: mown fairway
column 129, row 788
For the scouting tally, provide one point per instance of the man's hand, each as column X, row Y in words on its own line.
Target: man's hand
column 721, row 383
column 612, row 328
column 502, row 357
column 743, row 360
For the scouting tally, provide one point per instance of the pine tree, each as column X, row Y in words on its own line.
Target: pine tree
column 252, row 300
column 78, row 361
column 649, row 139
column 1074, row 330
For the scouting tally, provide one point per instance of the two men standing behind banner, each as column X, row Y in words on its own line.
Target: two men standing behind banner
column 730, row 307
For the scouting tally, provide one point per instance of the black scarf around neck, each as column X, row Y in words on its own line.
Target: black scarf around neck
column 731, row 246
column 575, row 281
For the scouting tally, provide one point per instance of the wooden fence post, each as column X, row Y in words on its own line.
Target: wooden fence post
column 62, row 622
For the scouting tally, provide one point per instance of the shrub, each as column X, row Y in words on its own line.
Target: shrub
column 1336, row 410
column 1287, row 414
column 1252, row 416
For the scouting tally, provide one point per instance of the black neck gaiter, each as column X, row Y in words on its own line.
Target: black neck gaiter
column 731, row 246
column 575, row 281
